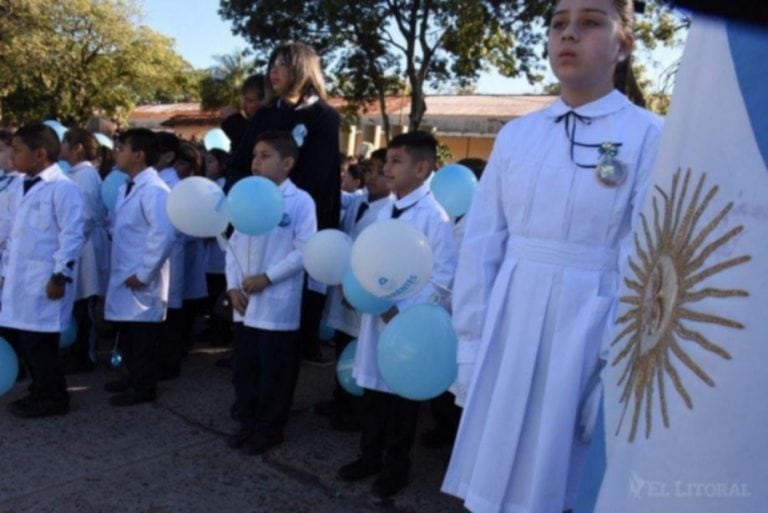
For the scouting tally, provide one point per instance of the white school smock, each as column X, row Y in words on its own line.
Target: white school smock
column 425, row 214
column 46, row 236
column 537, row 274
column 94, row 257
column 141, row 242
column 338, row 316
column 176, row 259
column 7, row 209
column 279, row 254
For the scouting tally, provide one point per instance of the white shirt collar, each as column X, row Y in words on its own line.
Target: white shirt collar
column 608, row 104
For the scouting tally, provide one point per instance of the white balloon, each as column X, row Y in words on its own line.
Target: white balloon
column 391, row 259
column 326, row 256
column 196, row 207
column 216, row 138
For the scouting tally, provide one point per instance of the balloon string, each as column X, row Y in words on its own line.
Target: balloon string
column 442, row 288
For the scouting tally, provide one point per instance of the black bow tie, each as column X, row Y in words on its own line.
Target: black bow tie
column 128, row 186
column 30, row 182
column 361, row 211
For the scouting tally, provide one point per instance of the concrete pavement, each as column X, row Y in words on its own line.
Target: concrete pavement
column 171, row 456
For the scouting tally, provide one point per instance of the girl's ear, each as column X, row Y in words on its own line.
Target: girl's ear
column 626, row 44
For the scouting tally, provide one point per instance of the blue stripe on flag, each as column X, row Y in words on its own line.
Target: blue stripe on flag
column 749, row 48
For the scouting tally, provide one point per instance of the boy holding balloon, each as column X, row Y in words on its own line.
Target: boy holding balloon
column 41, row 250
column 137, row 294
column 264, row 283
column 389, row 421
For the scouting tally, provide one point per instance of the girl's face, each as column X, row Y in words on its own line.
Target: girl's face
column 280, row 76
column 212, row 170
column 586, row 41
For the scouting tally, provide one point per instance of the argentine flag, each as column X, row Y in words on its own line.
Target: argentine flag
column 686, row 417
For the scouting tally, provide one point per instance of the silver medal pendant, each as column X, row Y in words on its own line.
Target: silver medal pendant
column 611, row 172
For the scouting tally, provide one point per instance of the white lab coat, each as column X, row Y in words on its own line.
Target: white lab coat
column 428, row 216
column 7, row 208
column 46, row 236
column 279, row 254
column 93, row 265
column 142, row 240
column 338, row 316
column 176, row 259
column 537, row 274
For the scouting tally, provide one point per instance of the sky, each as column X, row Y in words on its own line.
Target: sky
column 200, row 33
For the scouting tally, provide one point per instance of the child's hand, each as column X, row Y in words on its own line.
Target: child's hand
column 389, row 314
column 134, row 283
column 54, row 291
column 239, row 301
column 256, row 284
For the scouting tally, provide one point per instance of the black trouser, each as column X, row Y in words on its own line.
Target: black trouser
column 139, row 344
column 190, row 309
column 220, row 327
column 81, row 349
column 171, row 348
column 446, row 415
column 263, row 367
column 40, row 351
column 389, row 427
column 312, row 305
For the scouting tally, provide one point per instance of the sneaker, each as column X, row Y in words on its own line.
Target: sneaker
column 131, row 398
column 360, row 469
column 236, row 440
column 388, row 484
column 260, row 443
column 35, row 408
column 318, row 360
column 117, row 386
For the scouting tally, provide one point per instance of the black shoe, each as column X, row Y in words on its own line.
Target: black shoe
column 318, row 360
column 436, row 439
column 260, row 443
column 78, row 366
column 234, row 412
column 388, row 484
column 346, row 423
column 131, row 398
column 168, row 373
column 360, row 469
column 224, row 363
column 117, row 386
column 21, row 403
column 36, row 407
column 236, row 440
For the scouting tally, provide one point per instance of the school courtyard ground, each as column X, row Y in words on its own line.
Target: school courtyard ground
column 171, row 456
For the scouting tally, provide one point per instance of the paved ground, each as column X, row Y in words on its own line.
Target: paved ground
column 171, row 456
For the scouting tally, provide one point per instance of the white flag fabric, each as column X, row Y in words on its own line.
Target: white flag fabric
column 685, row 416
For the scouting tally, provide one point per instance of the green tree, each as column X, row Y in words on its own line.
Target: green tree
column 69, row 60
column 220, row 85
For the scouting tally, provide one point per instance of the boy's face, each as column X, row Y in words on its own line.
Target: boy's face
column 249, row 99
column 348, row 182
column 27, row 160
column 6, row 157
column 403, row 173
column 268, row 163
column 127, row 160
column 212, row 170
column 375, row 181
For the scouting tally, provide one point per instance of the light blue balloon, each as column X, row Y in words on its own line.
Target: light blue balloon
column 64, row 166
column 69, row 335
column 110, row 188
column 216, row 139
column 255, row 206
column 344, row 370
column 417, row 352
column 9, row 366
column 325, row 333
column 104, row 140
column 360, row 298
column 454, row 187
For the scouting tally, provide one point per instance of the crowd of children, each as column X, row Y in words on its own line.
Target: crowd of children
column 534, row 264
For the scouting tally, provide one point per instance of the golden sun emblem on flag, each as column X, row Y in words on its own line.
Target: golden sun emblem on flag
column 669, row 272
